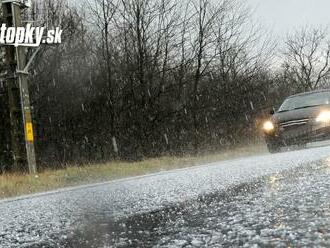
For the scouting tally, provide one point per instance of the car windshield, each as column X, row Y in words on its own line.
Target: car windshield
column 304, row 101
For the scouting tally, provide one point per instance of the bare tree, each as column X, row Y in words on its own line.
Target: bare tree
column 156, row 76
column 206, row 14
column 102, row 13
column 307, row 57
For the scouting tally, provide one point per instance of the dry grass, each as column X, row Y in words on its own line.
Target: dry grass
column 18, row 184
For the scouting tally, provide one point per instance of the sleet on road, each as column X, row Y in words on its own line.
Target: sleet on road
column 280, row 200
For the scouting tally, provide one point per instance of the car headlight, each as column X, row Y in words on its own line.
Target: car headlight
column 268, row 126
column 324, row 116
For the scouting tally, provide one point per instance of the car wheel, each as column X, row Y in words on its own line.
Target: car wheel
column 273, row 148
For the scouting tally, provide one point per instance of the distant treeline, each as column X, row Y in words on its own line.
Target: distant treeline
column 141, row 78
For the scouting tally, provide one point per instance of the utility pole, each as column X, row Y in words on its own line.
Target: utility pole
column 18, row 93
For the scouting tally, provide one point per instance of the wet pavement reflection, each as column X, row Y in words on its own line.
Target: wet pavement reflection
column 287, row 209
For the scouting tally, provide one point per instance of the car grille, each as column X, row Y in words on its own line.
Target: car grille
column 294, row 123
column 294, row 128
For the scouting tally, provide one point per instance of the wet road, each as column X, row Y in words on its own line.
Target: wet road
column 276, row 200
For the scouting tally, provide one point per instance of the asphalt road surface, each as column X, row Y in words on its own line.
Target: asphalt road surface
column 280, row 200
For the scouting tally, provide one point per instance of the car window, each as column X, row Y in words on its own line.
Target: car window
column 297, row 102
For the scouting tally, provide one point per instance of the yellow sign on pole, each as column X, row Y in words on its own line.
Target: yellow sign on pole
column 29, row 132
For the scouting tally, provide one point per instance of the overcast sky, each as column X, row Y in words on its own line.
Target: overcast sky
column 281, row 16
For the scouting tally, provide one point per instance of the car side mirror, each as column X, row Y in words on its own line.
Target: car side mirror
column 271, row 112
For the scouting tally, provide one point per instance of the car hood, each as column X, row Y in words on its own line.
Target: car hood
column 298, row 114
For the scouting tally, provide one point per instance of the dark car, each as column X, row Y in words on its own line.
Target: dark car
column 301, row 119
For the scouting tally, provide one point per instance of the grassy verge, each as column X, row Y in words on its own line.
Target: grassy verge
column 18, row 184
